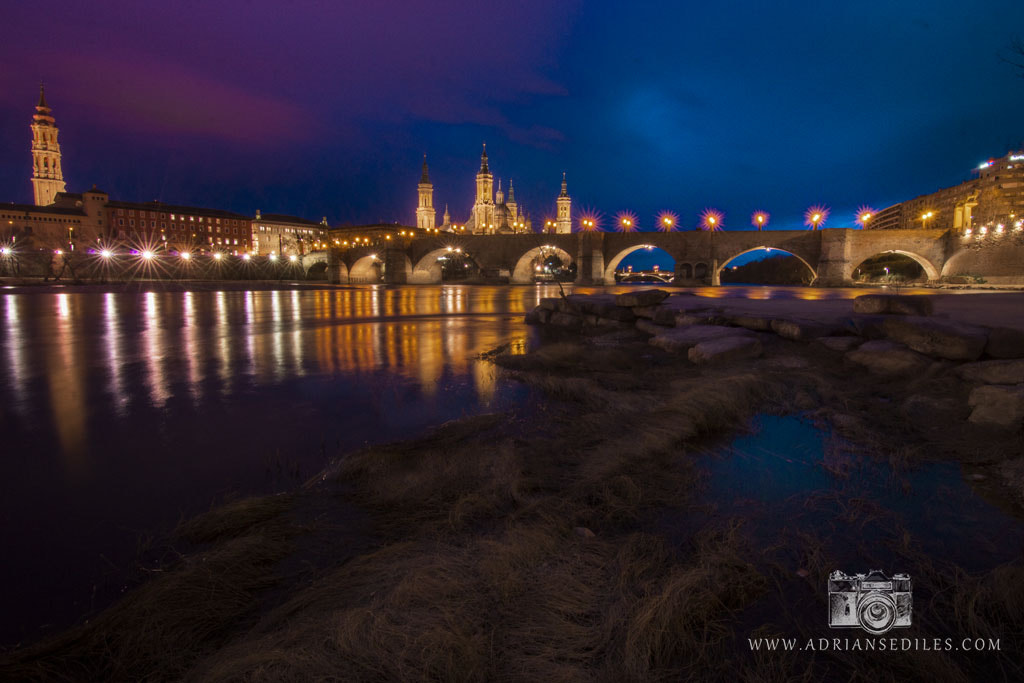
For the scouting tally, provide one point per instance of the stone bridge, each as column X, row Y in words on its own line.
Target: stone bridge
column 830, row 255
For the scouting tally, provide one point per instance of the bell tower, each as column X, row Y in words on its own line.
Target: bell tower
column 563, row 222
column 483, row 209
column 425, row 211
column 47, row 176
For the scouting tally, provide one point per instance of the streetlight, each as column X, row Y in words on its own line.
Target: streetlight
column 864, row 214
column 106, row 253
column 667, row 221
column 627, row 222
column 711, row 219
column 815, row 216
column 588, row 224
column 759, row 219
column 147, row 254
column 925, row 217
column 185, row 256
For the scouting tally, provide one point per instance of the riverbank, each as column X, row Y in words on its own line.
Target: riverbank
column 575, row 545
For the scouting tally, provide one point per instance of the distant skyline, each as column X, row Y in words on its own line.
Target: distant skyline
column 316, row 109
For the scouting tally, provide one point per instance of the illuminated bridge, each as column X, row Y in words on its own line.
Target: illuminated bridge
column 830, row 255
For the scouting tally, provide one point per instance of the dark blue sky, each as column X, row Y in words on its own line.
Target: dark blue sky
column 325, row 108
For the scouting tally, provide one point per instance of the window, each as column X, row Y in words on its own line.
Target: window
column 163, row 225
column 131, row 222
column 120, row 221
column 120, row 212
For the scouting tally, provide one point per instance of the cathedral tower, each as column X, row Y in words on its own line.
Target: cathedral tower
column 513, row 208
column 47, row 176
column 563, row 223
column 425, row 210
column 483, row 208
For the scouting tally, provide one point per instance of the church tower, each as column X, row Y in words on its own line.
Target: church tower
column 425, row 210
column 47, row 176
column 513, row 208
column 563, row 223
column 483, row 208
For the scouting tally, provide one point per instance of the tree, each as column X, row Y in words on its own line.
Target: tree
column 1015, row 56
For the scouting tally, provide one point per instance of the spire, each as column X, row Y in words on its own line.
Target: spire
column 425, row 178
column 483, row 161
column 42, row 97
column 565, row 190
column 511, row 192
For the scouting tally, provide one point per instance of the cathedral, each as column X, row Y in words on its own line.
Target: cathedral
column 492, row 212
column 47, row 176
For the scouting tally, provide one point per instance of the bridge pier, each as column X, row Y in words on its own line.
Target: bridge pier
column 590, row 259
column 397, row 267
column 834, row 266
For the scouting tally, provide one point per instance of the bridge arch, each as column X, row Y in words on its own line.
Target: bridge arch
column 716, row 277
column 428, row 269
column 612, row 264
column 930, row 271
column 365, row 270
column 524, row 272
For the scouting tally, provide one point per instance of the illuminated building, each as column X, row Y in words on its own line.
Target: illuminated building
column 47, row 175
column 425, row 210
column 275, row 233
column 993, row 196
column 179, row 228
column 563, row 221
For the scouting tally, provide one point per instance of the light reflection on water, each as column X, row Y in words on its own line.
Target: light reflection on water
column 120, row 412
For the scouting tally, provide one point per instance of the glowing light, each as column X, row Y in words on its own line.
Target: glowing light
column 106, row 253
column 293, row 258
column 273, row 257
column 967, row 232
column 588, row 223
column 626, row 221
column 864, row 214
column 1017, row 157
column 985, row 165
column 816, row 216
column 4, row 251
column 759, row 219
column 148, row 255
column 246, row 257
column 711, row 219
column 218, row 256
column 185, row 256
column 999, row 228
column 667, row 221
column 984, row 229
column 58, row 252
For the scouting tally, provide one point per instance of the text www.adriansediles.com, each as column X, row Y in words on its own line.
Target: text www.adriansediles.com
column 875, row 644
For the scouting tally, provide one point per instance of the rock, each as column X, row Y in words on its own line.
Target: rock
column 665, row 316
column 682, row 339
column 1005, row 342
column 702, row 317
column 567, row 320
column 644, row 297
column 893, row 304
column 841, row 344
column 888, row 358
column 926, row 411
column 645, row 311
column 645, row 325
column 798, row 330
column 583, row 532
column 532, row 318
column 867, row 326
column 543, row 315
column 939, row 338
column 725, row 350
column 758, row 323
column 614, row 324
column 613, row 312
column 998, row 406
column 788, row 362
column 993, row 372
column 550, row 303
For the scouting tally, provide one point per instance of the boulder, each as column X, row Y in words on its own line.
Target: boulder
column 566, row 320
column 543, row 315
column 532, row 318
column 550, row 303
column 998, row 406
column 799, row 330
column 682, row 339
column 841, row 344
column 993, row 372
column 698, row 317
column 938, row 338
column 725, row 350
column 758, row 323
column 666, row 316
column 1005, row 342
column 645, row 311
column 888, row 358
column 893, row 304
column 867, row 326
column 613, row 312
column 926, row 411
column 644, row 297
column 649, row 326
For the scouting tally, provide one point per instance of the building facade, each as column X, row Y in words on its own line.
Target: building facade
column 176, row 228
column 995, row 196
column 47, row 174
column 275, row 233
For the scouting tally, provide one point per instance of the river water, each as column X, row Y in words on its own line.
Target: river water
column 122, row 412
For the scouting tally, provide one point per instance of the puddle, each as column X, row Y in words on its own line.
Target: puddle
column 785, row 482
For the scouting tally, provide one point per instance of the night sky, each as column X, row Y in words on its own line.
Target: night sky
column 325, row 108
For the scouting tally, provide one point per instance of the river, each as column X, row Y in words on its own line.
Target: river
column 121, row 412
